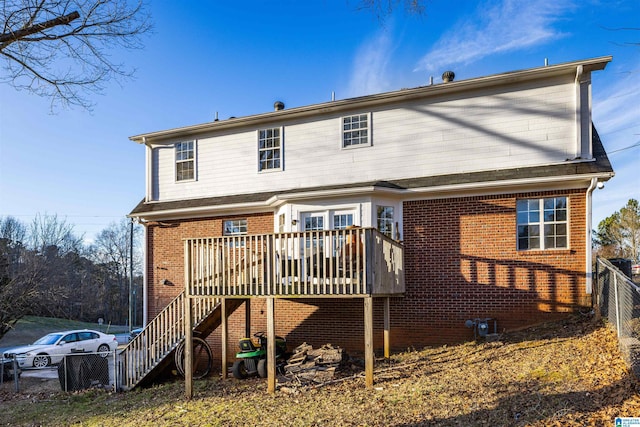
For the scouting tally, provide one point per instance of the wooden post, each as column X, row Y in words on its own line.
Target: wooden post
column 271, row 346
column 368, row 341
column 247, row 318
column 224, row 333
column 188, row 348
column 387, row 327
column 188, row 324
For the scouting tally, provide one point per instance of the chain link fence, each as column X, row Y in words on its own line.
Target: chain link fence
column 618, row 300
column 77, row 371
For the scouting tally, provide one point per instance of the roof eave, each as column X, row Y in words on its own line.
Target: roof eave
column 439, row 191
column 377, row 99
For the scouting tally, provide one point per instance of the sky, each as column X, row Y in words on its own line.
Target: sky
column 237, row 58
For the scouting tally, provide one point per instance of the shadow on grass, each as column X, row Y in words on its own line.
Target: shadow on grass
column 543, row 409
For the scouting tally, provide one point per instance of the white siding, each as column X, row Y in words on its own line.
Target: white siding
column 518, row 127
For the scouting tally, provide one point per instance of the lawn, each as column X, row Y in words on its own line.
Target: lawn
column 567, row 373
column 30, row 328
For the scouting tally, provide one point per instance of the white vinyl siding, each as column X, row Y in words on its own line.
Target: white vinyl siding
column 487, row 130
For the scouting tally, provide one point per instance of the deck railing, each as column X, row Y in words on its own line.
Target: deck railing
column 347, row 262
column 159, row 338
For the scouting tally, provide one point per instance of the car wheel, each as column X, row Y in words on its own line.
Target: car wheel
column 41, row 361
column 104, row 349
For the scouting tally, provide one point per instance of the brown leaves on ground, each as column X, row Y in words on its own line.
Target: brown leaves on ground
column 559, row 374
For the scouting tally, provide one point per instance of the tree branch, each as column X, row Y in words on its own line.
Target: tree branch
column 7, row 38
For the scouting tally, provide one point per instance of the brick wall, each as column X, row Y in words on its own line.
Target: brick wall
column 461, row 263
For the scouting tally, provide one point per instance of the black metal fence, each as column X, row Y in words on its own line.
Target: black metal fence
column 77, row 371
column 618, row 300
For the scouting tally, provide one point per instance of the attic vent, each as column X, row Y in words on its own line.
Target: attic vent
column 278, row 105
column 448, row 76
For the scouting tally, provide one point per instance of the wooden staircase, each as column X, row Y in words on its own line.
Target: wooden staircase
column 151, row 352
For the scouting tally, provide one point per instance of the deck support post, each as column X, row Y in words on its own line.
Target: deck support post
column 271, row 346
column 188, row 347
column 247, row 318
column 368, row 341
column 387, row 327
column 224, row 333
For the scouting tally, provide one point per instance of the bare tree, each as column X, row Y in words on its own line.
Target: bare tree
column 112, row 251
column 60, row 48
column 13, row 230
column 49, row 231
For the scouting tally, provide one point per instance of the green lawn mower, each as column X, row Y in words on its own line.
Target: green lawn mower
column 252, row 359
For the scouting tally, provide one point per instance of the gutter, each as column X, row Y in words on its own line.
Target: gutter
column 372, row 101
column 435, row 192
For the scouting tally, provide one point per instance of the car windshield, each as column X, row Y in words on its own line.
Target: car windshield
column 48, row 339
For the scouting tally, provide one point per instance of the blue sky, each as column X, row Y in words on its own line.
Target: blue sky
column 237, row 58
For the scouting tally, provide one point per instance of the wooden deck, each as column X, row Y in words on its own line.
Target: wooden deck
column 355, row 262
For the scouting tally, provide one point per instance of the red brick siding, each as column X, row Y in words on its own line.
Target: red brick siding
column 461, row 263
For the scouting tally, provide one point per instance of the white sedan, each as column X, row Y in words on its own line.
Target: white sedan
column 52, row 348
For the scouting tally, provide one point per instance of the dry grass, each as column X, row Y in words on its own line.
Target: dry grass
column 566, row 374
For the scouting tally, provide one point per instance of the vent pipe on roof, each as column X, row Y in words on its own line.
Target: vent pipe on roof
column 278, row 105
column 448, row 76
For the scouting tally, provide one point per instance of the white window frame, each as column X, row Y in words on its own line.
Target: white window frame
column 539, row 215
column 344, row 132
column 390, row 232
column 236, row 223
column 280, row 148
column 192, row 159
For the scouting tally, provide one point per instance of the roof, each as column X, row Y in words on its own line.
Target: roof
column 370, row 101
column 600, row 167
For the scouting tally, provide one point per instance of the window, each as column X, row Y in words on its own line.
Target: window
column 269, row 149
column 185, row 161
column 281, row 223
column 313, row 222
column 342, row 221
column 355, row 131
column 385, row 220
column 235, row 227
column 542, row 223
column 70, row 338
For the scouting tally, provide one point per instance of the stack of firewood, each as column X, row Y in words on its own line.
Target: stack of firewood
column 317, row 366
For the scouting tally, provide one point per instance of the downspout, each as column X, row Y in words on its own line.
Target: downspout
column 145, row 239
column 145, row 277
column 588, row 251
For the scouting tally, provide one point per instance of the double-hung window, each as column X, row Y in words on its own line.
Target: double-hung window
column 356, row 130
column 185, row 161
column 385, row 220
column 269, row 149
column 542, row 223
column 235, row 227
